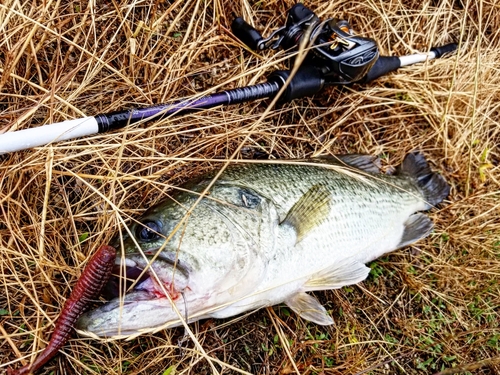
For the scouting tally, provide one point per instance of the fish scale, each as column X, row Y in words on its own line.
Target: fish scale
column 267, row 233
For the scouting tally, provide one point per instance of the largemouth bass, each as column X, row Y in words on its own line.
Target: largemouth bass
column 264, row 234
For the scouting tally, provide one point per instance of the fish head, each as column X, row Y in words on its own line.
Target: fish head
column 175, row 264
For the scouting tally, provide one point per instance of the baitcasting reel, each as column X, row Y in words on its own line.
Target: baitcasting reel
column 341, row 56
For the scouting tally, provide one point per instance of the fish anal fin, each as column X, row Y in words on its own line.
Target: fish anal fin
column 417, row 226
column 309, row 308
column 348, row 272
column 309, row 211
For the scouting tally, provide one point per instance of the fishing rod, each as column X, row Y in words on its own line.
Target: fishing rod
column 336, row 56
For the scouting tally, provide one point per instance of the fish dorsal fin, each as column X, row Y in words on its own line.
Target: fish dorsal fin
column 367, row 163
column 340, row 274
column 309, row 211
column 417, row 226
column 309, row 308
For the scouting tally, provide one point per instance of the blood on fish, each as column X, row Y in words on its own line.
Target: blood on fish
column 152, row 286
column 87, row 288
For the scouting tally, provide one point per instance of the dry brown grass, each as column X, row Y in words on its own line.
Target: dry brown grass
column 423, row 309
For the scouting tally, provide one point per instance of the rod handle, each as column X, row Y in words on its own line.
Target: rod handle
column 382, row 66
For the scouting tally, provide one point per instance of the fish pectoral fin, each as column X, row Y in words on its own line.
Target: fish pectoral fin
column 309, row 211
column 309, row 308
column 367, row 163
column 416, row 227
column 341, row 274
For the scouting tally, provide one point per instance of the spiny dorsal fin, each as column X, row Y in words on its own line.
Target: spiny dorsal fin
column 367, row 163
column 347, row 272
column 309, row 211
column 416, row 227
column 432, row 185
column 309, row 308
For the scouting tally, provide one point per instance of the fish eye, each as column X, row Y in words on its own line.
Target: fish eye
column 148, row 231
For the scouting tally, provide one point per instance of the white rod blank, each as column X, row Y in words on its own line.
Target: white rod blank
column 416, row 58
column 43, row 135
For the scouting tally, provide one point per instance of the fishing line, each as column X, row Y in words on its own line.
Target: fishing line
column 185, row 337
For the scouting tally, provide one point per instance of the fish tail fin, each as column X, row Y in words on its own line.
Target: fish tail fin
column 433, row 186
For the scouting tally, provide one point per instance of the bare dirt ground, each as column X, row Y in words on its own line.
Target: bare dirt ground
column 424, row 309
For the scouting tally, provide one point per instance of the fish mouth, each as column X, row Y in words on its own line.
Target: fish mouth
column 137, row 275
column 123, row 279
column 136, row 313
column 141, row 293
